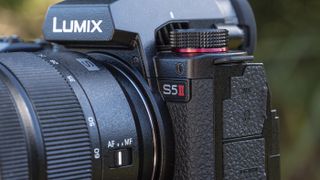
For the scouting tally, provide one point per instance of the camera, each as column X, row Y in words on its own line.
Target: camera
column 143, row 89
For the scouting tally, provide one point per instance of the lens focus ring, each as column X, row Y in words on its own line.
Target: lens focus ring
column 64, row 129
column 13, row 151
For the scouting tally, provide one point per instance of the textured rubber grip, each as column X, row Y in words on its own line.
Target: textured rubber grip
column 221, row 132
column 244, row 116
column 246, row 110
column 193, row 127
column 13, row 146
column 64, row 129
column 245, row 160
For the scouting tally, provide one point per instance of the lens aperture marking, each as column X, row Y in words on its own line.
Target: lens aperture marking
column 71, row 79
column 97, row 153
column 91, row 122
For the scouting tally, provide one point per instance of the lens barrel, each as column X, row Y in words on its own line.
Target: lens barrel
column 66, row 116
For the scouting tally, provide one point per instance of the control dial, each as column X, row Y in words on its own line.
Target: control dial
column 199, row 40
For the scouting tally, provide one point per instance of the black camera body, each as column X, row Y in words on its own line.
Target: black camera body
column 143, row 89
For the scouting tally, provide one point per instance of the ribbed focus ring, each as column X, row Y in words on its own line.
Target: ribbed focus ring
column 192, row 38
column 64, row 128
column 13, row 146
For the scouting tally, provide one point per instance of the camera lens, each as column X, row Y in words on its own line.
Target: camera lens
column 67, row 116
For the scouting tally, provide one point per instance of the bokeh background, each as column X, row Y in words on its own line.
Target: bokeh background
column 289, row 45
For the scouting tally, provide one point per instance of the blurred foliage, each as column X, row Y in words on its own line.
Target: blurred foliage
column 288, row 45
column 10, row 4
column 23, row 17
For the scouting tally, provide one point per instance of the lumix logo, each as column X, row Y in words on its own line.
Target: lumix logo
column 75, row 26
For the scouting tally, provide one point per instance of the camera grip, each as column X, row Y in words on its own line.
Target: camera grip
column 226, row 131
column 194, row 133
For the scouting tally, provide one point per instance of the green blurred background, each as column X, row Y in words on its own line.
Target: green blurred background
column 288, row 45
